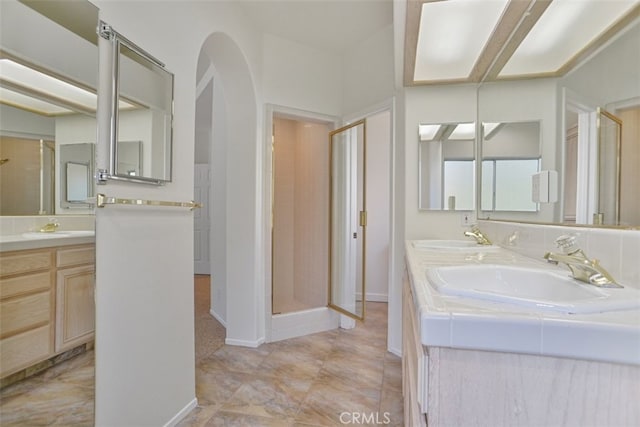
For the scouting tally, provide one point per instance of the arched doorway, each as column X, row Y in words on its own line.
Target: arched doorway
column 234, row 237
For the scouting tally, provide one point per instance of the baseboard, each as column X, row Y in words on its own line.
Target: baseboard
column 244, row 343
column 218, row 318
column 305, row 322
column 373, row 297
column 377, row 297
column 397, row 352
column 183, row 413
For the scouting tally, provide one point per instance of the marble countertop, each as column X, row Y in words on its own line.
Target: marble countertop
column 16, row 242
column 465, row 323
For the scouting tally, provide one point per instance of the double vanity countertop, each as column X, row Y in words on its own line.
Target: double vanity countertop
column 37, row 240
column 469, row 323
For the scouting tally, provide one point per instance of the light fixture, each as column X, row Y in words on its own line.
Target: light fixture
column 565, row 28
column 464, row 131
column 29, row 103
column 427, row 132
column 452, row 35
column 27, row 88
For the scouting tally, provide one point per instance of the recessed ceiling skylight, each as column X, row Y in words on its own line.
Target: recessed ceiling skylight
column 28, row 77
column 37, row 91
column 562, row 31
column 29, row 103
column 452, row 35
column 464, row 131
column 427, row 132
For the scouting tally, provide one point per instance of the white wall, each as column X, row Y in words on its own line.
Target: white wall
column 378, row 205
column 144, row 292
column 20, row 123
column 431, row 104
column 302, row 77
column 526, row 101
column 368, row 72
column 74, row 129
column 612, row 74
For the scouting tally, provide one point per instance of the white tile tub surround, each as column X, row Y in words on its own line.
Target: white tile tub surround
column 466, row 323
column 617, row 250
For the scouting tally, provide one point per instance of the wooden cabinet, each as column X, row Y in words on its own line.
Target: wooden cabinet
column 415, row 364
column 26, row 308
column 46, row 304
column 75, row 305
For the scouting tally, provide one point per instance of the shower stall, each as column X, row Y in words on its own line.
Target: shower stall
column 300, row 228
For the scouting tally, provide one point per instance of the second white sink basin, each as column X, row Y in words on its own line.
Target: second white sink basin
column 539, row 289
column 452, row 245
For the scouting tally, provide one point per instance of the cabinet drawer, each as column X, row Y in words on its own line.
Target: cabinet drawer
column 19, row 314
column 22, row 350
column 27, row 284
column 16, row 263
column 76, row 256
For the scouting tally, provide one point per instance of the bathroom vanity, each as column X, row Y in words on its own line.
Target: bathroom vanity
column 46, row 297
column 481, row 360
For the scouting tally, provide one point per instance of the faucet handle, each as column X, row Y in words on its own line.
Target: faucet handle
column 566, row 242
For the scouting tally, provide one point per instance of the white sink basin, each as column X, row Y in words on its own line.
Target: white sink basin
column 539, row 289
column 453, row 245
column 58, row 234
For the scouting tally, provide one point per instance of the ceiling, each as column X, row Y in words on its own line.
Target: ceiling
column 467, row 41
column 330, row 25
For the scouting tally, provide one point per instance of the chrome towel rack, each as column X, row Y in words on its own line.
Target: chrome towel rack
column 102, row 201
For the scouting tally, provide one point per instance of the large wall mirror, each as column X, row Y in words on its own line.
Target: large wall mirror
column 47, row 105
column 141, row 113
column 588, row 123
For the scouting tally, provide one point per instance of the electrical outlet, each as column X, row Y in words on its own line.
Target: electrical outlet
column 467, row 219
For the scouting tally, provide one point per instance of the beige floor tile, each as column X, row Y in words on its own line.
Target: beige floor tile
column 308, row 381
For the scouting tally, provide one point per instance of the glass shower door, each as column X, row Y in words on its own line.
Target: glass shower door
column 348, row 219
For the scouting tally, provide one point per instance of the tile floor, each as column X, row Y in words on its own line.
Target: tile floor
column 340, row 377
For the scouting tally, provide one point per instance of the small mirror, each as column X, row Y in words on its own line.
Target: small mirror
column 142, row 114
column 129, row 158
column 446, row 157
column 76, row 174
column 510, row 159
column 77, row 182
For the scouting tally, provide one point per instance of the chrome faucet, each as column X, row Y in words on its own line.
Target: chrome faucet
column 478, row 235
column 582, row 268
column 50, row 227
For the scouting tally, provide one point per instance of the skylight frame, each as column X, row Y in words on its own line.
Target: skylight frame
column 35, row 89
column 586, row 24
column 443, row 52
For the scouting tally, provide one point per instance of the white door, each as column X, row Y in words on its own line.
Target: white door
column 201, row 220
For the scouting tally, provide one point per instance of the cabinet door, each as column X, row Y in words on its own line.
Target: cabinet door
column 75, row 307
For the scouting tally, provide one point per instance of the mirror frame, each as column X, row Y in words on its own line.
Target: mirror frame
column 107, row 32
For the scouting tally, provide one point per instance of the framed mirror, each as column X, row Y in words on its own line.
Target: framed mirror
column 446, row 166
column 141, row 113
column 510, row 159
column 78, row 177
column 76, row 166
